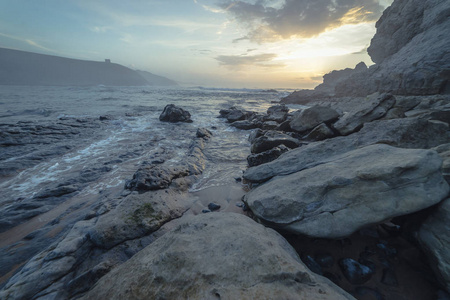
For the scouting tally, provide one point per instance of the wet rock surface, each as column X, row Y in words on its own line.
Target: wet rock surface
column 216, row 255
column 173, row 114
column 116, row 228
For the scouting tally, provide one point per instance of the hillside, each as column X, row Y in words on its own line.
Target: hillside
column 27, row 68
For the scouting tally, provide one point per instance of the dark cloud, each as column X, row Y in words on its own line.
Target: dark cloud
column 298, row 18
column 237, row 61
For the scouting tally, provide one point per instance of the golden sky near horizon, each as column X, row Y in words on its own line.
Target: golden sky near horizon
column 216, row 43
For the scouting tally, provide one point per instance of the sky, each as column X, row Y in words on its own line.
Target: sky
column 214, row 43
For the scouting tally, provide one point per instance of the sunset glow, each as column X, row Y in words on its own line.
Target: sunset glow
column 262, row 44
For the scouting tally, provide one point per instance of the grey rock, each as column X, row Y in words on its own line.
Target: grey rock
column 277, row 113
column 222, row 255
column 319, row 133
column 155, row 177
column 444, row 153
column 405, row 133
column 360, row 188
column 372, row 108
column 410, row 49
column 434, row 237
column 272, row 139
column 266, row 156
column 269, row 125
column 203, row 133
column 237, row 115
column 255, row 134
column 173, row 114
column 311, row 117
column 245, row 125
column 305, row 97
column 330, row 80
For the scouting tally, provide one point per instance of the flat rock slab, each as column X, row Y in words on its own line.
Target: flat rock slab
column 311, row 117
column 216, row 256
column 362, row 187
column 404, row 133
column 371, row 108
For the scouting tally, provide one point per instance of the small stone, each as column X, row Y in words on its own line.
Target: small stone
column 213, row 206
column 355, row 272
column 238, row 179
column 205, row 211
column 240, row 204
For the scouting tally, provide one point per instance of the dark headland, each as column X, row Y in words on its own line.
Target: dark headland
column 349, row 198
column 27, row 68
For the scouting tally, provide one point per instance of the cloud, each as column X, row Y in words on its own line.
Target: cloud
column 270, row 21
column 28, row 41
column 259, row 60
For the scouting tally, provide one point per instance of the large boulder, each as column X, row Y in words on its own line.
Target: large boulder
column 217, row 255
column 434, row 237
column 311, row 117
column 372, row 108
column 360, row 188
column 173, row 114
column 410, row 49
column 404, row 133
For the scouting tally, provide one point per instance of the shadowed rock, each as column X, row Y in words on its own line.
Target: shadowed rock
column 173, row 114
column 434, row 236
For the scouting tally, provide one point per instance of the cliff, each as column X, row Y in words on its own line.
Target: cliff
column 27, row 68
column 411, row 52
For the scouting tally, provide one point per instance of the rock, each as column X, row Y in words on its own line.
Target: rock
column 203, row 133
column 410, row 49
column 266, row 156
column 272, row 139
column 305, row 97
column 444, row 153
column 245, row 125
column 319, row 133
column 269, row 125
column 213, row 206
column 360, row 188
column 434, row 237
column 216, row 256
column 405, row 133
column 155, row 177
column 311, row 117
column 234, row 114
column 277, row 113
column 355, row 272
column 374, row 107
column 255, row 134
column 333, row 78
column 173, row 114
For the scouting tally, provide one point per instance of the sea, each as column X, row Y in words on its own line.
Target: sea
column 112, row 132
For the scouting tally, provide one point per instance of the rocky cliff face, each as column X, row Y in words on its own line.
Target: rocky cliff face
column 411, row 52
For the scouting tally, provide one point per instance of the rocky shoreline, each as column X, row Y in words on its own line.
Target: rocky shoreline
column 345, row 198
